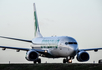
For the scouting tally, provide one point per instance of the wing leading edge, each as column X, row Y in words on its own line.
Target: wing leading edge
column 16, row 48
column 95, row 49
column 24, row 49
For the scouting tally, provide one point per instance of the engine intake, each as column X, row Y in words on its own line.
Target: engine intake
column 31, row 55
column 82, row 56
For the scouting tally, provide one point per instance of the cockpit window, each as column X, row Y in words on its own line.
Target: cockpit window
column 66, row 43
column 70, row 43
column 75, row 42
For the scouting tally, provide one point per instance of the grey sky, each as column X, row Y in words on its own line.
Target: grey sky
column 81, row 19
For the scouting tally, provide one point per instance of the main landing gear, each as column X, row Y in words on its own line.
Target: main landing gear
column 67, row 60
column 38, row 60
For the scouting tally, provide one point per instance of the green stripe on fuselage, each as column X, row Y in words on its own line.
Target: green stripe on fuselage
column 49, row 47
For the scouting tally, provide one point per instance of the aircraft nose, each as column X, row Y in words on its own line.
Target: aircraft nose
column 74, row 49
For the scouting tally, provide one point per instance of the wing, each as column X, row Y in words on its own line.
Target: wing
column 45, row 52
column 95, row 49
column 17, row 39
column 16, row 48
column 24, row 49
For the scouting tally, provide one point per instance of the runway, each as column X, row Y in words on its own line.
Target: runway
column 51, row 66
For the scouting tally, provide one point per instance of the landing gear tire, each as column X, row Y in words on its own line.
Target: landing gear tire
column 38, row 60
column 34, row 62
column 64, row 60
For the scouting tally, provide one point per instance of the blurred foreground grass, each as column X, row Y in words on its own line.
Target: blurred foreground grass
column 51, row 66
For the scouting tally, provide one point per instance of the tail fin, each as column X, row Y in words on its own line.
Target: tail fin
column 37, row 30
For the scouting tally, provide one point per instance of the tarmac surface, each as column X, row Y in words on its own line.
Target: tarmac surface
column 51, row 66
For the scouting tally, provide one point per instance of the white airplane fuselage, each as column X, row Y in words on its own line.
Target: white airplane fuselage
column 62, row 46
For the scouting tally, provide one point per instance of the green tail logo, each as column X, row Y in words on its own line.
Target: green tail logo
column 37, row 30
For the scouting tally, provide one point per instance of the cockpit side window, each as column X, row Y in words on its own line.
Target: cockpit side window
column 66, row 43
column 70, row 43
column 75, row 42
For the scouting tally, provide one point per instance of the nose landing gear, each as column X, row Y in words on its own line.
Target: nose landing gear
column 67, row 60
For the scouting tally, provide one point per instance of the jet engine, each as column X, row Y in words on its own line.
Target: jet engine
column 31, row 55
column 82, row 56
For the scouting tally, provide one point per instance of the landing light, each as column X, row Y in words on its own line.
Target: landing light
column 70, row 61
column 45, row 51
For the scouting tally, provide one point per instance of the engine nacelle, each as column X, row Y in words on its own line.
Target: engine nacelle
column 82, row 56
column 31, row 55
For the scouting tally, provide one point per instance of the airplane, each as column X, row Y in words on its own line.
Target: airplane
column 51, row 47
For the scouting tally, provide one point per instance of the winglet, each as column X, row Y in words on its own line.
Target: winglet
column 37, row 30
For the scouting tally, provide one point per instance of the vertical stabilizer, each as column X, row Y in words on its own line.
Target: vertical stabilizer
column 36, row 25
